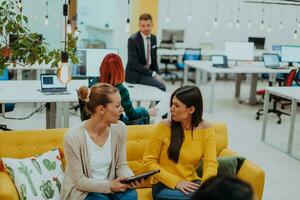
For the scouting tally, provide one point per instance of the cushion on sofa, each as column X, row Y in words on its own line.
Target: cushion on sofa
column 228, row 165
column 36, row 177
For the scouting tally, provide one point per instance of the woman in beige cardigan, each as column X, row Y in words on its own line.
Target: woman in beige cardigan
column 95, row 150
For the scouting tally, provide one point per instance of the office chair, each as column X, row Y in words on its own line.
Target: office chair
column 8, row 107
column 169, row 59
column 189, row 54
column 276, row 99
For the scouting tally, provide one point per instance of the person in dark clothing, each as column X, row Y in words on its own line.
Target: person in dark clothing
column 142, row 64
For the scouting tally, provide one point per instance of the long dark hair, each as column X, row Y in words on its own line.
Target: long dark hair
column 190, row 96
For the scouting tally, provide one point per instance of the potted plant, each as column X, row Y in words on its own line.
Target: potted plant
column 18, row 45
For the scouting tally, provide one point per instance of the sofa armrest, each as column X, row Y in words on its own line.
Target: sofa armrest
column 254, row 175
column 249, row 172
column 7, row 188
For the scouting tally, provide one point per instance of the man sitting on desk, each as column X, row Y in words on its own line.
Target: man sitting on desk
column 142, row 64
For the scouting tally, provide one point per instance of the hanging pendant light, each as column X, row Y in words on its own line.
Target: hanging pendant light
column 262, row 26
column 46, row 21
column 262, row 23
column 230, row 23
column 237, row 24
column 269, row 28
column 295, row 35
column 168, row 18
column 207, row 32
column 127, row 25
column 216, row 23
column 280, row 25
column 249, row 24
column 64, row 70
column 189, row 16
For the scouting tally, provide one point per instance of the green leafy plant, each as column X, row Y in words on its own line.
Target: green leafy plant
column 28, row 47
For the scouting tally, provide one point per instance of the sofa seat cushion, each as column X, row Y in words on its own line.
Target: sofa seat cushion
column 36, row 177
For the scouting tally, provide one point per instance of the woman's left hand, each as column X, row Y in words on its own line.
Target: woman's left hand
column 136, row 184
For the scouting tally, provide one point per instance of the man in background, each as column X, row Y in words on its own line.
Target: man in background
column 142, row 64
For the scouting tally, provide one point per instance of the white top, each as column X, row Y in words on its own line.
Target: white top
column 145, row 46
column 99, row 157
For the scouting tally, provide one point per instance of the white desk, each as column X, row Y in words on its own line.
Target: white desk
column 253, row 68
column 139, row 92
column 57, row 114
column 292, row 93
column 170, row 52
column 37, row 67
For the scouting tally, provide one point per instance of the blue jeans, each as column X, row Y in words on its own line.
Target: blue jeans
column 127, row 195
column 162, row 192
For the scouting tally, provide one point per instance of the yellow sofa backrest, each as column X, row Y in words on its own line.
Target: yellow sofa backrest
column 21, row 144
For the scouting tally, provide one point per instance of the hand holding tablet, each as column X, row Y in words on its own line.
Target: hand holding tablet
column 139, row 177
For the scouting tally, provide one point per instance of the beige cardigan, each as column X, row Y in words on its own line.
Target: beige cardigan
column 77, row 182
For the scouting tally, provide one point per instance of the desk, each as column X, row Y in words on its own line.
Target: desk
column 292, row 93
column 253, row 68
column 140, row 92
column 36, row 67
column 57, row 114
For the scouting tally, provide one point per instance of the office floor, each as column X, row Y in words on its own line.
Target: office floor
column 282, row 171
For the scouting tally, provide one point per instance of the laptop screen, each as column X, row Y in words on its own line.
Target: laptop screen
column 50, row 81
column 217, row 60
column 271, row 60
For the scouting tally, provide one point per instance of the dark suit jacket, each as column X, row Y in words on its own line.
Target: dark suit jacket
column 135, row 68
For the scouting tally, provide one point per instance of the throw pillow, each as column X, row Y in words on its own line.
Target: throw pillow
column 228, row 165
column 37, row 177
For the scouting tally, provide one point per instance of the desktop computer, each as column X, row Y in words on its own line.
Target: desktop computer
column 239, row 51
column 89, row 61
column 290, row 54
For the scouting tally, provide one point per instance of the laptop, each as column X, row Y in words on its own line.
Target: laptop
column 219, row 61
column 271, row 60
column 51, row 85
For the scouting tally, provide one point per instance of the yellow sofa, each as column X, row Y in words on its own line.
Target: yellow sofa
column 20, row 144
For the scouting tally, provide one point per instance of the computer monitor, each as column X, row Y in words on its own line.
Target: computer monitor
column 170, row 36
column 89, row 61
column 219, row 61
column 239, row 50
column 259, row 42
column 290, row 54
column 271, row 60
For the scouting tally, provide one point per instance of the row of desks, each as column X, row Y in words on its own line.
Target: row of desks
column 57, row 114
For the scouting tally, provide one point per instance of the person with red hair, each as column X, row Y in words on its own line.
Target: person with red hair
column 112, row 72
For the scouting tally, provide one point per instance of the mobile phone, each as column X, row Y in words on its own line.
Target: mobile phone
column 138, row 177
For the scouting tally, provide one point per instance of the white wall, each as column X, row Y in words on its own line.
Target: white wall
column 35, row 10
column 203, row 14
column 94, row 14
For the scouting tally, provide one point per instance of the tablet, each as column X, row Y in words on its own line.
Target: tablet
column 138, row 177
